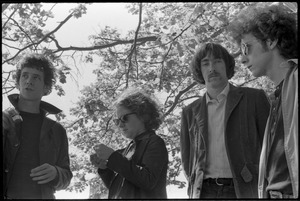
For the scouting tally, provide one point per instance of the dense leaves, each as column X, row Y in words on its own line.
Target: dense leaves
column 155, row 56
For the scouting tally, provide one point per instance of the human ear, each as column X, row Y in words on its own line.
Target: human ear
column 272, row 44
column 46, row 90
column 18, row 86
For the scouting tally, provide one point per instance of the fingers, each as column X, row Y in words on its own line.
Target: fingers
column 103, row 151
column 6, row 121
column 44, row 173
column 99, row 147
column 94, row 159
column 97, row 162
column 43, row 179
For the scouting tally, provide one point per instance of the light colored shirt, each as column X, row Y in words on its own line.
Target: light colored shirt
column 217, row 164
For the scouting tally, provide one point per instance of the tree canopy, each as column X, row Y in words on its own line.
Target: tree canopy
column 156, row 55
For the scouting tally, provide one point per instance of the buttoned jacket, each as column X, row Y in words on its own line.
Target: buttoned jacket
column 246, row 113
column 53, row 149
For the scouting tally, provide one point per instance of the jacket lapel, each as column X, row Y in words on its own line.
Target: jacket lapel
column 45, row 133
column 233, row 98
column 201, row 122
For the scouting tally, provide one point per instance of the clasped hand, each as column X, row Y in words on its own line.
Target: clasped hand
column 44, row 173
column 99, row 159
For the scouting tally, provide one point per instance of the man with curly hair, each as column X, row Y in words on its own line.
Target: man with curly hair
column 222, row 131
column 35, row 148
column 140, row 170
column 267, row 34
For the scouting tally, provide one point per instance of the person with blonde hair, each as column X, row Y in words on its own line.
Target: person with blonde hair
column 140, row 170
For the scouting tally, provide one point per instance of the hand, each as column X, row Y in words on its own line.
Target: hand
column 100, row 163
column 103, row 152
column 7, row 121
column 44, row 173
column 9, row 117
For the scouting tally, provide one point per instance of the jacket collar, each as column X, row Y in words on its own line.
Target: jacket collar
column 143, row 136
column 44, row 106
column 233, row 98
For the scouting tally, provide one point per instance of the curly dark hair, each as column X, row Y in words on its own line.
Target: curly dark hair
column 217, row 51
column 145, row 106
column 265, row 22
column 41, row 63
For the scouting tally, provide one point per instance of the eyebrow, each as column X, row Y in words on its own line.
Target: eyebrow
column 204, row 60
column 31, row 73
column 214, row 58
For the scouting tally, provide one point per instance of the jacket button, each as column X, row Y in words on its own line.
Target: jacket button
column 16, row 145
column 6, row 170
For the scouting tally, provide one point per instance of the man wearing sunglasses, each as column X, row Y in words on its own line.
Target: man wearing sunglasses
column 268, row 37
column 222, row 131
column 140, row 170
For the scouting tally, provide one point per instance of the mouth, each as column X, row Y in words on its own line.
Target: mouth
column 249, row 67
column 28, row 89
column 212, row 75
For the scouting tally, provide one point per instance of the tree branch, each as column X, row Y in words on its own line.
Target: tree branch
column 178, row 97
column 37, row 43
column 9, row 16
column 98, row 47
column 162, row 67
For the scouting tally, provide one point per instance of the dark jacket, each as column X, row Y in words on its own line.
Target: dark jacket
column 246, row 114
column 144, row 175
column 53, row 148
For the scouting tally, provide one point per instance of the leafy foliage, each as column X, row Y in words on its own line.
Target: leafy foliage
column 156, row 56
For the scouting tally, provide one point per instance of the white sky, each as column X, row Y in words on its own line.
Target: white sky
column 76, row 33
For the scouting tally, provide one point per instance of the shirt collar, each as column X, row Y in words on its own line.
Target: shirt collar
column 289, row 63
column 220, row 96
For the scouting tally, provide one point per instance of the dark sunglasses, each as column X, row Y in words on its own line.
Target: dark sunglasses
column 244, row 48
column 122, row 119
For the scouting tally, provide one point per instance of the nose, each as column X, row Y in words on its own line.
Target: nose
column 121, row 124
column 244, row 59
column 211, row 67
column 29, row 81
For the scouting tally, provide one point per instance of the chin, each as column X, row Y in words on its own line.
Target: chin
column 126, row 135
column 256, row 74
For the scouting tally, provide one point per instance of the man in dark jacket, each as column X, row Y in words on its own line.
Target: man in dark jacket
column 35, row 148
column 222, row 132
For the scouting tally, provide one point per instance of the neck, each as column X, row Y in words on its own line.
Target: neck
column 277, row 73
column 28, row 106
column 214, row 92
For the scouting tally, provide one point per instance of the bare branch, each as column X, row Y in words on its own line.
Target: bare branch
column 10, row 46
column 9, row 16
column 98, row 47
column 162, row 68
column 133, row 47
column 17, row 24
column 177, row 98
column 37, row 43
